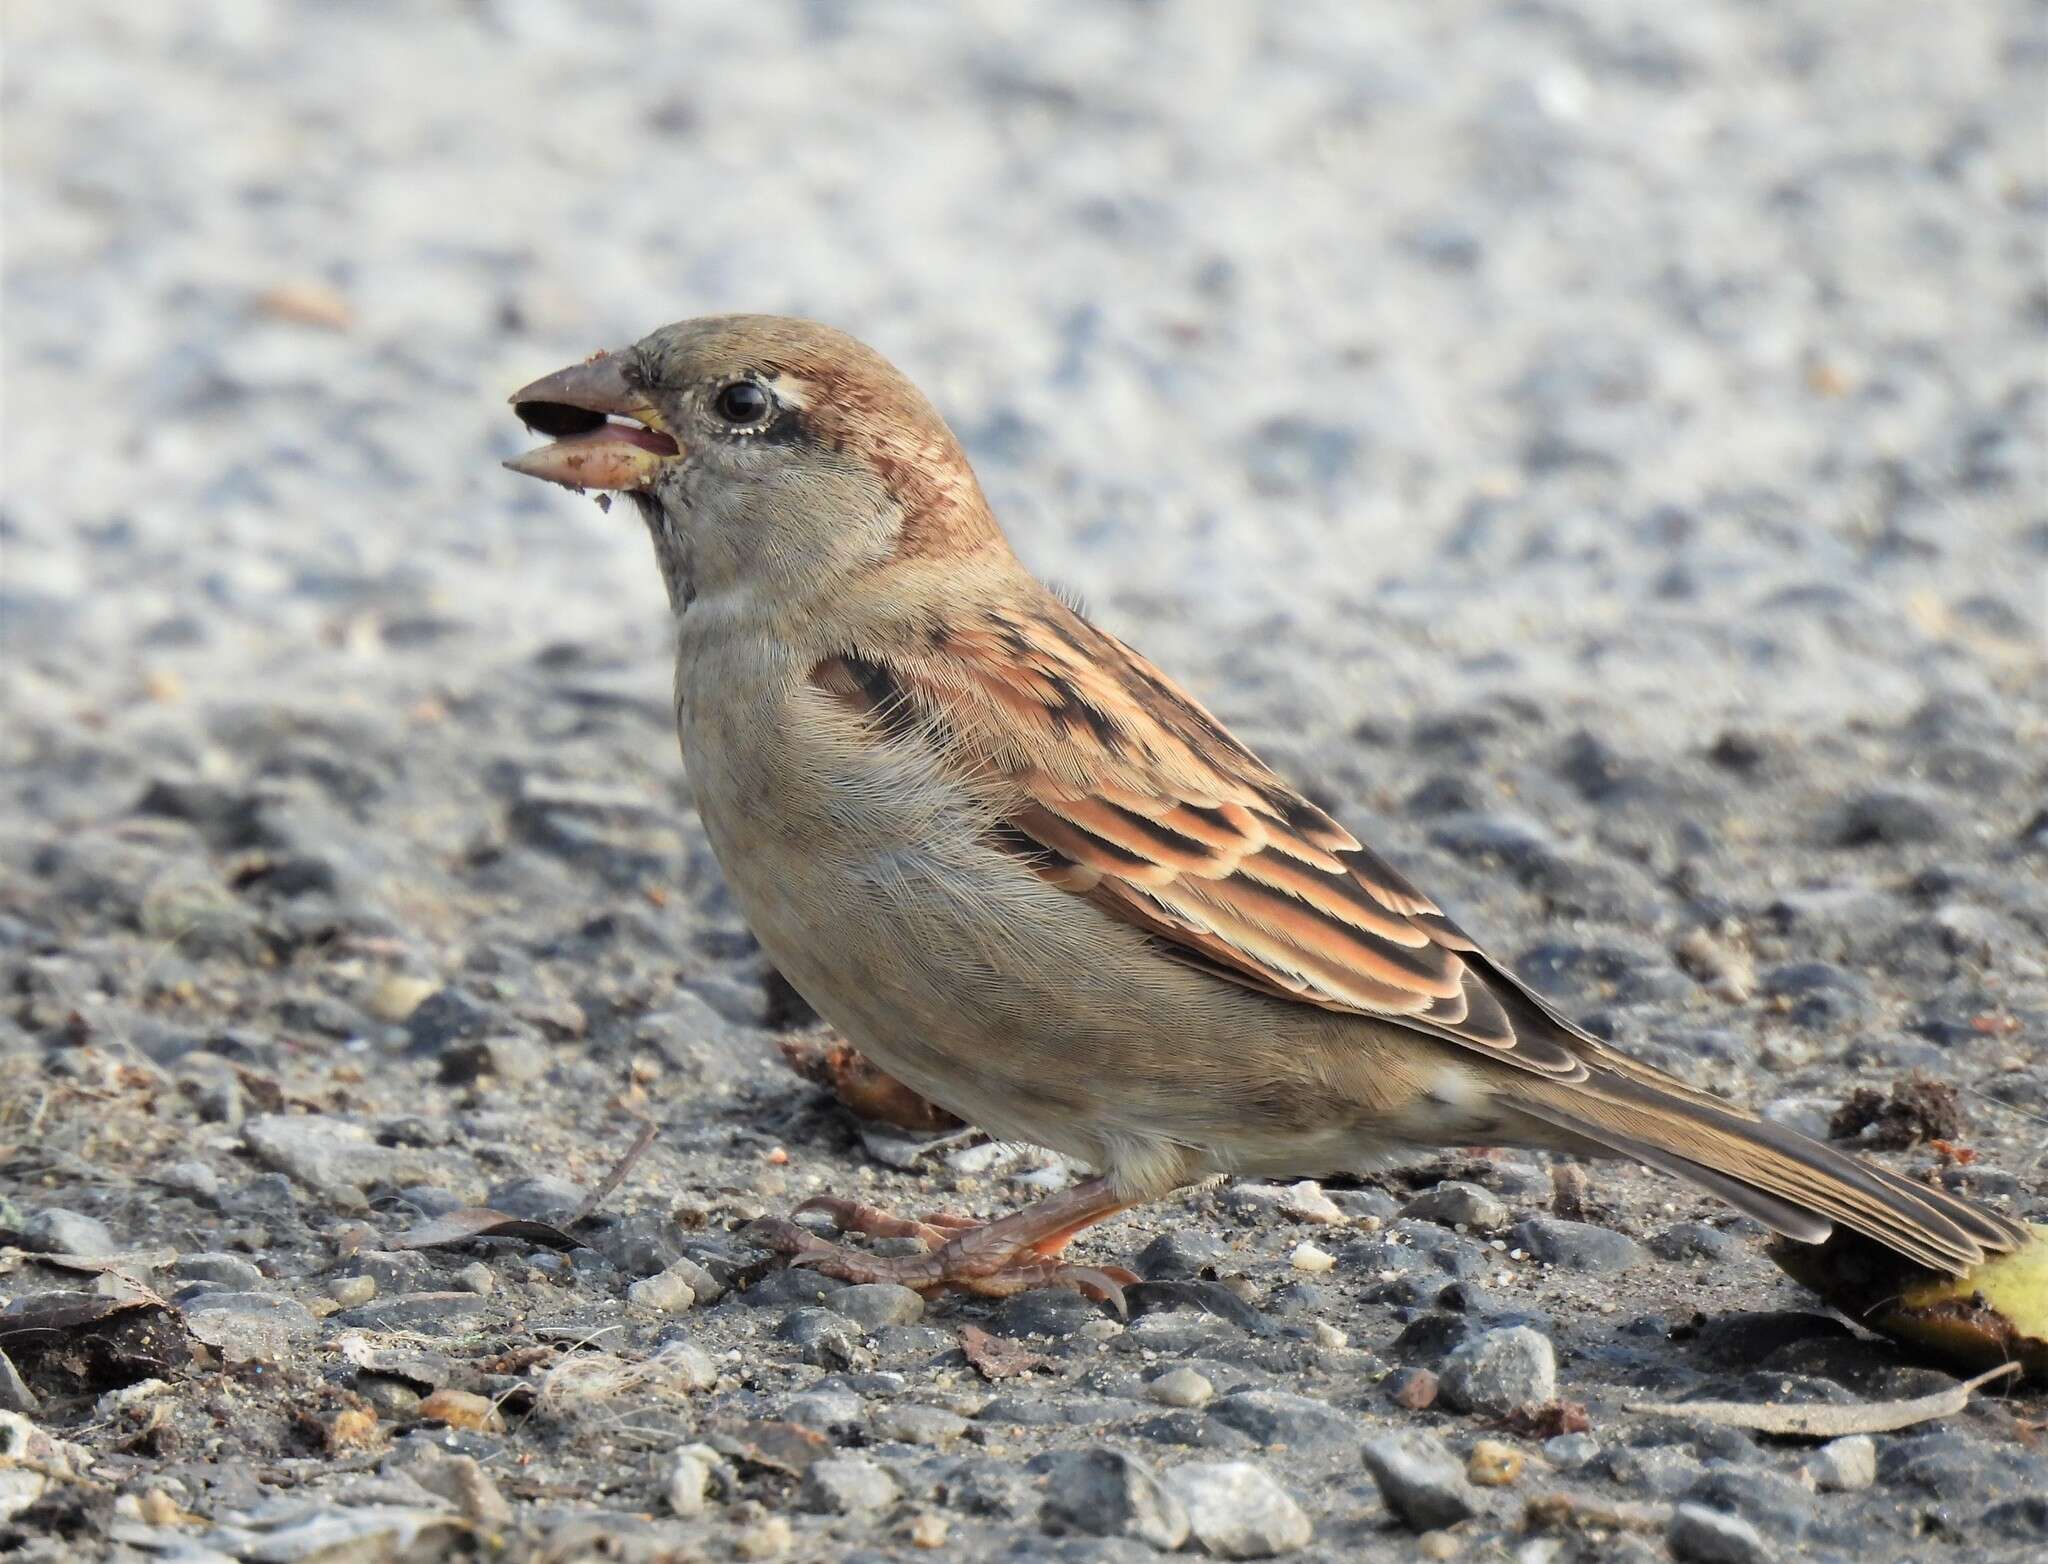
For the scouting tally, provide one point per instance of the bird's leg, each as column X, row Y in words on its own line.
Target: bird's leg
column 1009, row 1255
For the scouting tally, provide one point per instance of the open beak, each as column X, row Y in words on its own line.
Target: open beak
column 582, row 407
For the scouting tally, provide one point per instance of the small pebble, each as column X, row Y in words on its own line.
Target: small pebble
column 846, row 1485
column 398, row 996
column 1413, row 1388
column 349, row 1291
column 1699, row 1535
column 910, row 1424
column 350, row 1429
column 767, row 1538
column 229, row 1270
column 1455, row 1203
column 665, row 1292
column 1569, row 1452
column 1493, row 1464
column 392, row 1399
column 476, row 1277
column 1306, row 1202
column 1501, row 1371
column 190, row 1178
column 1844, row 1465
column 1099, row 1491
column 875, row 1304
column 56, row 1231
column 1237, row 1510
column 463, row 1409
column 1181, row 1387
column 828, row 1411
column 1421, row 1481
column 1310, row 1258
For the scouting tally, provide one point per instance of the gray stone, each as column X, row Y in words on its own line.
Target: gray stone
column 828, row 1411
column 846, row 1485
column 876, row 1304
column 1807, row 1116
column 190, row 1177
column 2024, row 1520
column 907, row 1423
column 1569, row 1452
column 707, row 1287
column 1578, row 1246
column 1181, row 1254
column 391, row 1399
column 15, row 1394
column 1181, row 1387
column 335, row 1159
column 795, row 1285
column 1275, row 1417
column 1237, row 1510
column 823, row 1337
column 1699, row 1535
column 1364, row 1204
column 458, row 1478
column 1454, row 1203
column 1500, row 1372
column 541, row 1198
column 1695, row 1241
column 230, row 1270
column 393, row 1270
column 1421, row 1481
column 1888, row 816
column 53, row 1230
column 506, row 1058
column 444, row 1017
column 986, row 1486
column 1780, row 1508
column 1819, row 994
column 1055, row 1312
column 432, row 1313
column 1100, row 1492
column 246, row 1327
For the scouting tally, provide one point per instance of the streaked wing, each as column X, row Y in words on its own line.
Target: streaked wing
column 1113, row 783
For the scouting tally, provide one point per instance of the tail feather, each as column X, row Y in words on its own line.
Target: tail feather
column 1790, row 1183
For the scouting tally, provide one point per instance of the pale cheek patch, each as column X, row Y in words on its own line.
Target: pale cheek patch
column 792, row 391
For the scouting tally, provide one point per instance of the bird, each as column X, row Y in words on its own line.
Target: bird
column 1022, row 869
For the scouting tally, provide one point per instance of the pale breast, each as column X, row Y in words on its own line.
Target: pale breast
column 870, row 878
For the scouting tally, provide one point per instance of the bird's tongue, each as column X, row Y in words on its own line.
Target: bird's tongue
column 633, row 434
column 610, row 456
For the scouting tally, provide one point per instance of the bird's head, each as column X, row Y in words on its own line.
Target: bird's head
column 765, row 454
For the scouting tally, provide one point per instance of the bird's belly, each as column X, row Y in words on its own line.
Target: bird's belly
column 874, row 898
column 869, row 880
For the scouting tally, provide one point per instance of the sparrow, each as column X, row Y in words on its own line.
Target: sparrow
column 1030, row 875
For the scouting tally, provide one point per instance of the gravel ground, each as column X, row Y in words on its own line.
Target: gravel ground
column 1598, row 448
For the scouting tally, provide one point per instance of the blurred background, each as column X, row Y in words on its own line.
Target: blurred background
column 1600, row 448
column 1525, row 320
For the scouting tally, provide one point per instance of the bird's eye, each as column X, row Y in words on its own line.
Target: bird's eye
column 742, row 404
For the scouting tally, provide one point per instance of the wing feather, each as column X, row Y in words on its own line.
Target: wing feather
column 1112, row 783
